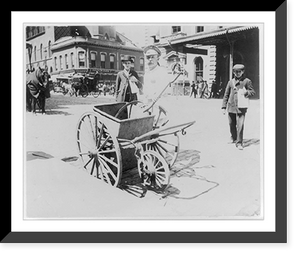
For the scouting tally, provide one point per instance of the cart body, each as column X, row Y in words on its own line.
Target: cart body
column 124, row 128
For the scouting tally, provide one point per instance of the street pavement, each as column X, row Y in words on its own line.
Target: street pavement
column 211, row 178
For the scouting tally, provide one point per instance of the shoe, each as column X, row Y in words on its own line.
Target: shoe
column 240, row 146
column 232, row 141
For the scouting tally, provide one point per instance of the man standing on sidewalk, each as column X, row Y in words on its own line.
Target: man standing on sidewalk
column 236, row 100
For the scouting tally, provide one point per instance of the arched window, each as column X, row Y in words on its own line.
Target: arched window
column 72, row 60
column 102, row 60
column 81, row 59
column 198, row 69
column 111, row 61
column 66, row 61
column 142, row 64
column 55, row 63
column 49, row 47
column 60, row 62
column 34, row 53
column 41, row 51
column 93, row 59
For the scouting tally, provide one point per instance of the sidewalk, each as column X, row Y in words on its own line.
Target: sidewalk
column 211, row 178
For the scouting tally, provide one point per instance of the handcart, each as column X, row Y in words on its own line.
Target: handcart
column 110, row 141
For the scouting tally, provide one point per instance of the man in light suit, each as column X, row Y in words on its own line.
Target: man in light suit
column 126, row 82
column 236, row 100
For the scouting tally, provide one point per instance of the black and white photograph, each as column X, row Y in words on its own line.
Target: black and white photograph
column 150, row 121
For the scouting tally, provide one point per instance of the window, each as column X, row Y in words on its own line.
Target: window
column 49, row 49
column 41, row 51
column 111, row 61
column 60, row 63
column 102, row 59
column 93, row 59
column 72, row 60
column 141, row 63
column 121, row 58
column 133, row 59
column 55, row 63
column 198, row 69
column 81, row 59
column 66, row 61
column 199, row 29
column 34, row 31
column 176, row 29
column 34, row 53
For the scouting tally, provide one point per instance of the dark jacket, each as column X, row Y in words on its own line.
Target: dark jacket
column 122, row 85
column 230, row 99
column 35, row 82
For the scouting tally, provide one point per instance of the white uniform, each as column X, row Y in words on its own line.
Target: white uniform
column 155, row 82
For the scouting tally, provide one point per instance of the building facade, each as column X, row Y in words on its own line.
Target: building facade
column 82, row 49
column 200, row 63
column 209, row 52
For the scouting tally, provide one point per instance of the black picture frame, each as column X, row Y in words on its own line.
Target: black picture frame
column 279, row 236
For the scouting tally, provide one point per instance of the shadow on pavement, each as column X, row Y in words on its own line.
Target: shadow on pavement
column 185, row 183
column 32, row 155
column 250, row 142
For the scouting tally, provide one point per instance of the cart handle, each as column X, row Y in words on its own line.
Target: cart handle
column 164, row 131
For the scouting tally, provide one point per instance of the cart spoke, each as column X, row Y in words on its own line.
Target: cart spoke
column 92, row 128
column 168, row 143
column 100, row 136
column 107, row 151
column 162, row 147
column 93, row 166
column 109, row 160
column 104, row 142
column 96, row 129
column 88, row 162
column 84, row 153
column 105, row 171
column 88, row 129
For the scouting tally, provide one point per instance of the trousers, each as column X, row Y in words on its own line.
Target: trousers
column 236, row 125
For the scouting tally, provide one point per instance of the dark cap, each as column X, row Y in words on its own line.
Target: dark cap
column 151, row 50
column 127, row 58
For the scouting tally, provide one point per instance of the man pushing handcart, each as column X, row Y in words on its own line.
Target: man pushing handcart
column 111, row 139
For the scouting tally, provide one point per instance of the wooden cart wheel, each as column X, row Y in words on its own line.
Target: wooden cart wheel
column 167, row 146
column 98, row 149
column 153, row 169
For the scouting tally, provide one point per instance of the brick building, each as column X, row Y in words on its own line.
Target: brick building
column 81, row 49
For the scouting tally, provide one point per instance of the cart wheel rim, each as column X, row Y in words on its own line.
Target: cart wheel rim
column 167, row 146
column 153, row 169
column 98, row 150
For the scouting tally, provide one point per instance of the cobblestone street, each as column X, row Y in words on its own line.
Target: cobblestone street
column 210, row 179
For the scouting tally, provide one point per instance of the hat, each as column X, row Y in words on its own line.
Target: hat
column 151, row 50
column 127, row 58
column 238, row 67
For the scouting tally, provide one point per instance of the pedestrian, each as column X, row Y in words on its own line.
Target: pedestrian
column 236, row 101
column 194, row 89
column 156, row 80
column 214, row 90
column 126, row 88
column 138, row 89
